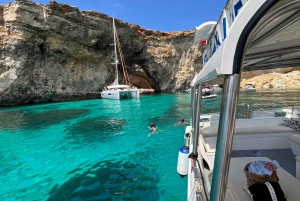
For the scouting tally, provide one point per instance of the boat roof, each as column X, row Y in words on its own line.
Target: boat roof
column 117, row 86
column 272, row 42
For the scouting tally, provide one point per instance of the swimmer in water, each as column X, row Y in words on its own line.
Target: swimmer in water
column 152, row 127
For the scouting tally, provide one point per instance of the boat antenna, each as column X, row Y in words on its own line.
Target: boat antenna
column 116, row 56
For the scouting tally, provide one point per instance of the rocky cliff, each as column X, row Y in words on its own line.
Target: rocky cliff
column 274, row 80
column 57, row 52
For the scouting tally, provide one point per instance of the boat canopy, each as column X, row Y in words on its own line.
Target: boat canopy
column 238, row 43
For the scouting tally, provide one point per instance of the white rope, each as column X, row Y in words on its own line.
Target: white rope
column 197, row 187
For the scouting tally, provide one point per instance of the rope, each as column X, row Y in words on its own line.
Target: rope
column 126, row 77
column 192, row 192
column 198, row 185
column 198, row 188
column 202, row 179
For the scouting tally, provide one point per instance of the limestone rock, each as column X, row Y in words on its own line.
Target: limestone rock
column 56, row 52
column 274, row 80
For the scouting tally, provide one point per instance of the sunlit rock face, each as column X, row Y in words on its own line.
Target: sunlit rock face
column 280, row 78
column 55, row 52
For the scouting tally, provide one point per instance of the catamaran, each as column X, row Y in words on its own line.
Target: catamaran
column 249, row 35
column 116, row 91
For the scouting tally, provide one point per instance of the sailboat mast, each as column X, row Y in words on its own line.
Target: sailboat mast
column 116, row 55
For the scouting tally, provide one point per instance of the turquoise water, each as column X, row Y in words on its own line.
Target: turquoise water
column 102, row 149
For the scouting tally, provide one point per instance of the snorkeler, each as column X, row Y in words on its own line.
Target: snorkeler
column 181, row 121
column 152, row 127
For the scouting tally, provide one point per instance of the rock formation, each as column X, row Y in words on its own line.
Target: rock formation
column 277, row 78
column 274, row 80
column 56, row 52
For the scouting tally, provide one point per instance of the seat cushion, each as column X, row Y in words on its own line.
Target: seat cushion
column 213, row 131
column 250, row 126
column 294, row 138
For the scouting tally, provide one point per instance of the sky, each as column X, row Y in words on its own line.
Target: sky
column 160, row 15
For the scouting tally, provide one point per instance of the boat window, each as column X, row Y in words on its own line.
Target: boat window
column 280, row 114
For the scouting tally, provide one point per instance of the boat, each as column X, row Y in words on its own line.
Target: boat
column 248, row 36
column 146, row 91
column 188, row 90
column 249, row 88
column 209, row 96
column 207, row 90
column 207, row 93
column 118, row 91
column 217, row 88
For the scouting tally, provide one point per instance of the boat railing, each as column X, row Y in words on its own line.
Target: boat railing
column 293, row 121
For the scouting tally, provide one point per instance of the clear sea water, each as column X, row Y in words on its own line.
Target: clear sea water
column 102, row 149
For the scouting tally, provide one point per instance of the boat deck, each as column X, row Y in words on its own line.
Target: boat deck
column 237, row 180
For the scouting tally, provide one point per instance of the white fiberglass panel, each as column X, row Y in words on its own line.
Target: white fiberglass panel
column 204, row 31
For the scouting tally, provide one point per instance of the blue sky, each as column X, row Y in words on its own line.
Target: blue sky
column 162, row 15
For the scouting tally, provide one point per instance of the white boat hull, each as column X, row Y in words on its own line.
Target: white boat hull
column 250, row 90
column 188, row 90
column 212, row 96
column 120, row 94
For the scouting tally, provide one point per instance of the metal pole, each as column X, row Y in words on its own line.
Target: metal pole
column 197, row 119
column 116, row 55
column 194, row 154
column 193, row 100
column 225, row 137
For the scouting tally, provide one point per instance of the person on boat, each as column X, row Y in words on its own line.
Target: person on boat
column 152, row 127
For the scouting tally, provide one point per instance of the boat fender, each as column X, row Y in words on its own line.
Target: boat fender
column 183, row 161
